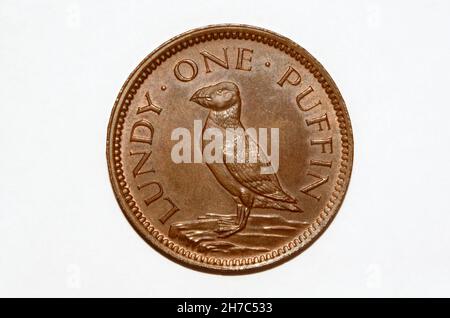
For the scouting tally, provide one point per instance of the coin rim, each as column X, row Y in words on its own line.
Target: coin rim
column 147, row 231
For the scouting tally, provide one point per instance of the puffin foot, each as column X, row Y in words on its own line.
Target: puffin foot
column 229, row 230
column 228, row 227
column 222, row 223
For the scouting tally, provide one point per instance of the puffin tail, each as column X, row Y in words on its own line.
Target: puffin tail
column 264, row 202
column 290, row 207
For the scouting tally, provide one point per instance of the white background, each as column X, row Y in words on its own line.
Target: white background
column 62, row 64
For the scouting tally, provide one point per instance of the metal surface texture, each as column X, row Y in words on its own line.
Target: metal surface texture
column 230, row 216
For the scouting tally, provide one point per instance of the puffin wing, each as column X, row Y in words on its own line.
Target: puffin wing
column 249, row 175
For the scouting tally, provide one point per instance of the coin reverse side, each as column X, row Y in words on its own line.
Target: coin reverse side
column 229, row 149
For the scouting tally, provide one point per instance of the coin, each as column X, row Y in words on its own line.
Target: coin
column 229, row 149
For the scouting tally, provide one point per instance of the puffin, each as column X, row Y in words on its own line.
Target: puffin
column 243, row 181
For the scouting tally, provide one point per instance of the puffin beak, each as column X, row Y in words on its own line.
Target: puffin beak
column 201, row 96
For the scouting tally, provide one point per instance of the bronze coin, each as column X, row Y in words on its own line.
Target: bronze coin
column 229, row 149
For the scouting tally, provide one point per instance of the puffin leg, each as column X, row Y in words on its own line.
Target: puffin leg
column 245, row 215
column 240, row 214
column 225, row 223
column 241, row 220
